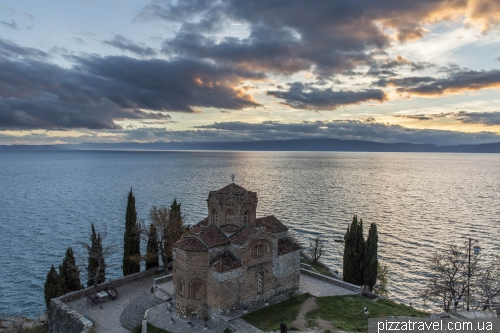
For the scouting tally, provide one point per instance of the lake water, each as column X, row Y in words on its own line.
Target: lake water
column 420, row 202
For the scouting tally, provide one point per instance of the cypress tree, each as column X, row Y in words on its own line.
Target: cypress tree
column 96, row 265
column 69, row 275
column 348, row 251
column 175, row 228
column 51, row 287
column 152, row 259
column 353, row 252
column 370, row 264
column 359, row 253
column 131, row 239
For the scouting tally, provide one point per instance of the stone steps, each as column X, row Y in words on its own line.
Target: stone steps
column 133, row 314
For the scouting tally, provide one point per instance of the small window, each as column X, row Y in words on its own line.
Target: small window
column 260, row 282
column 181, row 287
column 247, row 217
column 258, row 250
column 214, row 216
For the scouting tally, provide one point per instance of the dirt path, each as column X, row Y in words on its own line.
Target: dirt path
column 301, row 323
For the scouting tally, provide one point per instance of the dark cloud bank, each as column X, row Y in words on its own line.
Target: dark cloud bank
column 37, row 94
column 482, row 118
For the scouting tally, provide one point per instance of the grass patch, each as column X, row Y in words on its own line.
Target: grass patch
column 154, row 329
column 270, row 317
column 346, row 312
column 318, row 267
column 37, row 329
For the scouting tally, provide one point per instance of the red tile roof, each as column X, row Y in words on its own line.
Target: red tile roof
column 190, row 244
column 202, row 223
column 241, row 236
column 232, row 190
column 211, row 235
column 286, row 245
column 271, row 223
column 229, row 228
column 224, row 262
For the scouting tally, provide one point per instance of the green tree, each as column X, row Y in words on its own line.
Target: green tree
column 168, row 225
column 175, row 228
column 132, row 240
column 69, row 275
column 381, row 287
column 51, row 286
column 354, row 252
column 96, row 268
column 370, row 261
column 152, row 248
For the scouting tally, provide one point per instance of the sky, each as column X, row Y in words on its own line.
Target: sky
column 425, row 71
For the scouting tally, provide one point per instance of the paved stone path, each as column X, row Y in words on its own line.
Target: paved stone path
column 133, row 314
column 107, row 314
column 320, row 288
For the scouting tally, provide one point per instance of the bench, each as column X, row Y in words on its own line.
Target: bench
column 93, row 298
column 112, row 292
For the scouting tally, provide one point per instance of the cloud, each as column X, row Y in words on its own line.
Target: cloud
column 12, row 24
column 483, row 118
column 125, row 44
column 328, row 37
column 49, row 112
column 420, row 117
column 279, row 50
column 388, row 65
column 98, row 90
column 302, row 96
column 455, row 82
column 339, row 129
column 368, row 130
column 11, row 50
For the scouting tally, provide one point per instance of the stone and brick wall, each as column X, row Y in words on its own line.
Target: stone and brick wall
column 62, row 319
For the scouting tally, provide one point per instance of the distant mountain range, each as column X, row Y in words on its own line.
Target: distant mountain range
column 273, row 145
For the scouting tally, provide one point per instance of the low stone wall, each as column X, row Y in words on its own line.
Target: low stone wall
column 162, row 279
column 305, row 266
column 328, row 279
column 62, row 319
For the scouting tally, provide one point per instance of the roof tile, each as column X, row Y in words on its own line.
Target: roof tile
column 190, row 244
column 224, row 262
column 271, row 223
column 211, row 235
column 286, row 245
column 241, row 236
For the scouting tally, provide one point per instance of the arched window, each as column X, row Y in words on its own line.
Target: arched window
column 197, row 290
column 247, row 217
column 214, row 216
column 260, row 282
column 181, row 286
column 258, row 250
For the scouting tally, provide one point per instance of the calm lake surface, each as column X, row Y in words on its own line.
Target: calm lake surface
column 420, row 202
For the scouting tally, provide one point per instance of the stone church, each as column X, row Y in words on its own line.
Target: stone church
column 232, row 260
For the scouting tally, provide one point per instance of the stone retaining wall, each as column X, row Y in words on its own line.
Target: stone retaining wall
column 62, row 319
column 331, row 280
